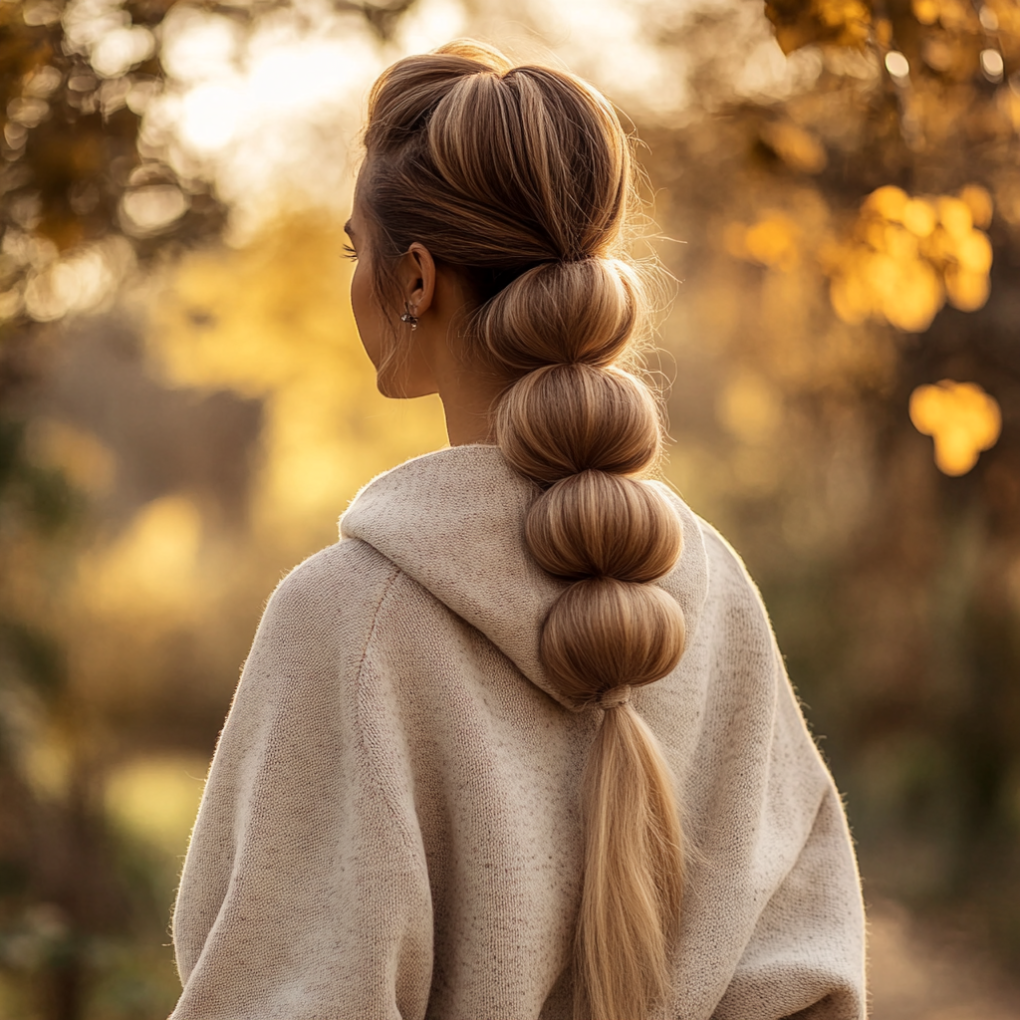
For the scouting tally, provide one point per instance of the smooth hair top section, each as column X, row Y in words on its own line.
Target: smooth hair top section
column 520, row 179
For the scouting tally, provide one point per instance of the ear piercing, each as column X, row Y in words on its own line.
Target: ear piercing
column 408, row 317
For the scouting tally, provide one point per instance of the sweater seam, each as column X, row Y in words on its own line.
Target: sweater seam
column 397, row 816
column 375, row 620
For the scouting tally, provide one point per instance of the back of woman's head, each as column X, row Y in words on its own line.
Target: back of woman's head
column 519, row 179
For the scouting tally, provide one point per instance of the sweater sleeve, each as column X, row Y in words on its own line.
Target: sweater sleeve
column 776, row 863
column 789, row 968
column 303, row 895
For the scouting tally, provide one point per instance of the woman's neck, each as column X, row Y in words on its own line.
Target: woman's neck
column 468, row 396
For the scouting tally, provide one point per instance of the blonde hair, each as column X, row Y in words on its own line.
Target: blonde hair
column 520, row 178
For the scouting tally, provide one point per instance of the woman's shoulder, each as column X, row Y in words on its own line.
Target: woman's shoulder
column 726, row 567
column 711, row 547
column 334, row 573
column 331, row 597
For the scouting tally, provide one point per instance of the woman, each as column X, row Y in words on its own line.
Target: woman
column 521, row 745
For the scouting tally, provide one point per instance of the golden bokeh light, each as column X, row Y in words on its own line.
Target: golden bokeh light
column 843, row 22
column 907, row 255
column 979, row 200
column 919, row 217
column 903, row 257
column 796, row 147
column 963, row 420
column 771, row 242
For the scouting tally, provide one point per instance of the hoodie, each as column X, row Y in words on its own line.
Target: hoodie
column 390, row 829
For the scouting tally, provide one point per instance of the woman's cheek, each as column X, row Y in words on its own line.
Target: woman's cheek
column 366, row 315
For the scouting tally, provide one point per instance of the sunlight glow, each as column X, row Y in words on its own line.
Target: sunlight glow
column 430, row 23
column 274, row 110
column 614, row 39
column 270, row 113
column 121, row 49
column 198, row 46
column 308, row 74
column 212, row 114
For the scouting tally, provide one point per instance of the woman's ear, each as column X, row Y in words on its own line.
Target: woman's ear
column 418, row 278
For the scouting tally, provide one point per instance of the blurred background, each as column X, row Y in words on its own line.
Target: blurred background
column 185, row 411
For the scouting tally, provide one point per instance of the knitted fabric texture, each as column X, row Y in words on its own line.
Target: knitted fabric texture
column 390, row 829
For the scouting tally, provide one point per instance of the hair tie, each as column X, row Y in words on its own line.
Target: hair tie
column 615, row 697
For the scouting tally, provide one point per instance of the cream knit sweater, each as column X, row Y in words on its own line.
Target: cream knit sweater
column 390, row 826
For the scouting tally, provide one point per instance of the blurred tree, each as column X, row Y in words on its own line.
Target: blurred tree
column 75, row 79
column 77, row 197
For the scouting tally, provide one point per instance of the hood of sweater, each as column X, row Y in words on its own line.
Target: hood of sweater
column 454, row 522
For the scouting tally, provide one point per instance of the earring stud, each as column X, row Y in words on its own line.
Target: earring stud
column 407, row 317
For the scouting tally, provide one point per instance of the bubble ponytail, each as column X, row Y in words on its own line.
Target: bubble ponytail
column 582, row 429
column 519, row 177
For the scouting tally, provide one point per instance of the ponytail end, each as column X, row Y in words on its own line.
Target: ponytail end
column 633, row 874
